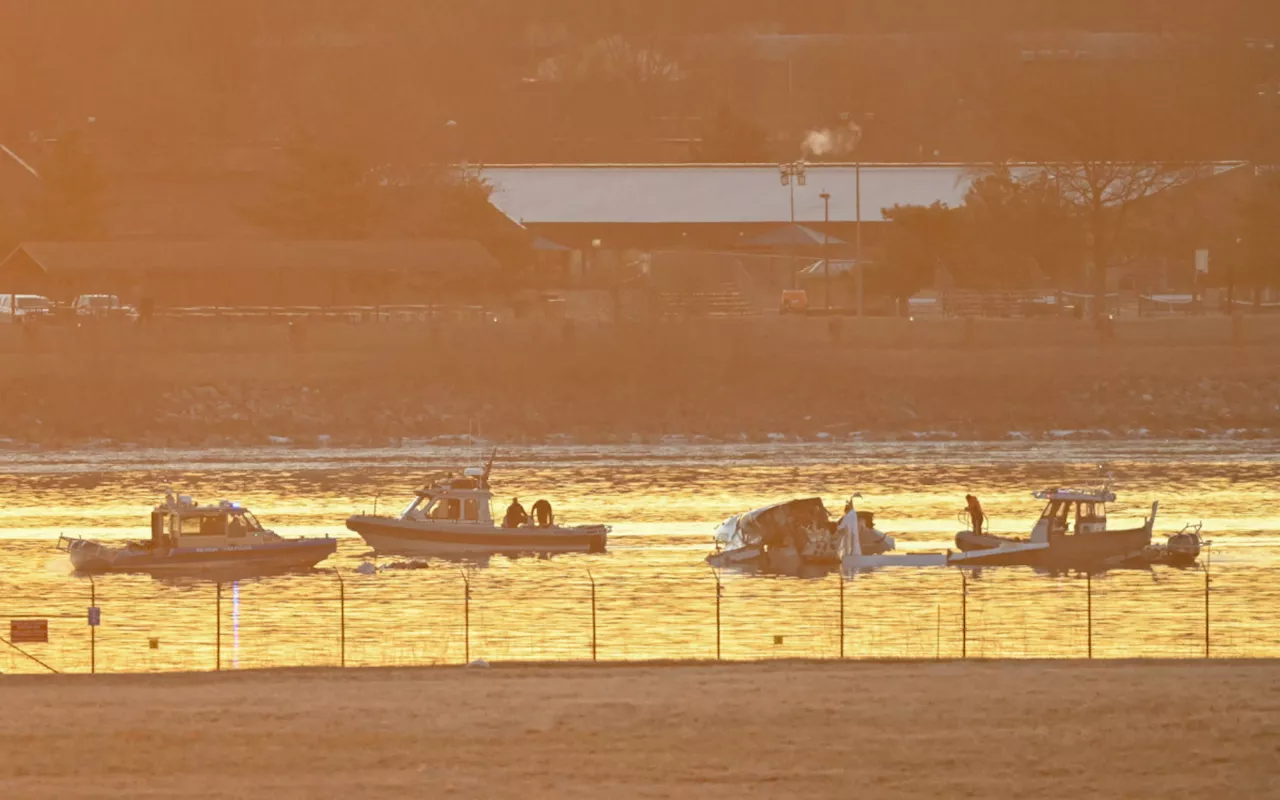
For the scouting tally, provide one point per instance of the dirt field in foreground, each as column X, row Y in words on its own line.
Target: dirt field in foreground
column 986, row 730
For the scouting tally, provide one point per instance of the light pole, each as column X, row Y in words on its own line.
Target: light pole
column 1231, row 276
column 786, row 172
column 857, row 205
column 826, row 261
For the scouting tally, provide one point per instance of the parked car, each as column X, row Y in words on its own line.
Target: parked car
column 23, row 307
column 794, row 301
column 101, row 305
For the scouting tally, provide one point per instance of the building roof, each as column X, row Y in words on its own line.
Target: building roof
column 793, row 236
column 543, row 194
column 734, row 193
column 444, row 255
column 835, row 266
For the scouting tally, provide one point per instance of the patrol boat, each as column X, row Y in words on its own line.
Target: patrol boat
column 187, row 537
column 1071, row 533
column 452, row 516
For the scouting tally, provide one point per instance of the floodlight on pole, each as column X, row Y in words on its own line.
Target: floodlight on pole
column 787, row 171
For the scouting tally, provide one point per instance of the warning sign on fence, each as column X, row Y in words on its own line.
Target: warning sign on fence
column 29, row 631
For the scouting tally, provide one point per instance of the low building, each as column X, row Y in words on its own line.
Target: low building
column 711, row 206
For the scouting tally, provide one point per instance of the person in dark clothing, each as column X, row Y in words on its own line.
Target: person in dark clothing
column 975, row 512
column 516, row 515
column 542, row 514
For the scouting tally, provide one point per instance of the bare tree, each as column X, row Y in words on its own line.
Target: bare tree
column 326, row 194
column 616, row 59
column 1102, row 193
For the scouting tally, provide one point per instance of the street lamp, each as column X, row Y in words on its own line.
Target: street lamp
column 826, row 261
column 786, row 173
column 857, row 191
column 793, row 169
column 1231, row 275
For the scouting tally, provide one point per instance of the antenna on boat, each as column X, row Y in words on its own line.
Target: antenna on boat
column 489, row 466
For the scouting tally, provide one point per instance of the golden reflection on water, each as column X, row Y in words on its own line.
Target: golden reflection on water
column 654, row 597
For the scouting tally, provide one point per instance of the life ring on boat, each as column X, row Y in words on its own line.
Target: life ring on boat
column 542, row 514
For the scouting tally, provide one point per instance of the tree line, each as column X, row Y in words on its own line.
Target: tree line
column 1062, row 226
column 570, row 80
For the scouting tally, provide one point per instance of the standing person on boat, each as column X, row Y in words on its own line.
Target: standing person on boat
column 543, row 516
column 975, row 513
column 516, row 515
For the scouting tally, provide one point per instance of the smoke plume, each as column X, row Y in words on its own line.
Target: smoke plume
column 837, row 141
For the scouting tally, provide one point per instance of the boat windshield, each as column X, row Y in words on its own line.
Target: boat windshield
column 446, row 508
column 248, row 520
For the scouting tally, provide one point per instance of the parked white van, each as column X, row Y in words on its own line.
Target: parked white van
column 16, row 308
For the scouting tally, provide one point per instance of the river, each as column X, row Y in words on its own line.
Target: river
column 654, row 598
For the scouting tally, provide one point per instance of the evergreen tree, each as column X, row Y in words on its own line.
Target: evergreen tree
column 324, row 195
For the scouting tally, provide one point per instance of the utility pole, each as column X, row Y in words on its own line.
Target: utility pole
column 857, row 183
column 786, row 173
column 826, row 260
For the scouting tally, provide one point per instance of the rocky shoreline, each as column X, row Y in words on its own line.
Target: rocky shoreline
column 211, row 416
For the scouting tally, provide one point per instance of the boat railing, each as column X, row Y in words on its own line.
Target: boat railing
column 66, row 543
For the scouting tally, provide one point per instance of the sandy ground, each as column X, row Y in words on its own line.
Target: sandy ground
column 1046, row 729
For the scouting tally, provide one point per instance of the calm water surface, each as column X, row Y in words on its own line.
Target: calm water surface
column 653, row 595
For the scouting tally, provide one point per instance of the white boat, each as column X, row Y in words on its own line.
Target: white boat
column 188, row 538
column 1071, row 533
column 452, row 516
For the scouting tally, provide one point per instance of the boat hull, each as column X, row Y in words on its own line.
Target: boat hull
column 967, row 541
column 387, row 535
column 91, row 557
column 1076, row 551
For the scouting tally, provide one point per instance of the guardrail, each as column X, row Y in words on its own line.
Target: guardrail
column 391, row 313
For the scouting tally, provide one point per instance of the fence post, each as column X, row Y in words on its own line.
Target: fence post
column 218, row 635
column 93, row 629
column 466, row 618
column 937, row 633
column 1208, row 557
column 964, row 615
column 840, row 577
column 592, row 578
column 1088, row 583
column 342, row 617
column 719, row 592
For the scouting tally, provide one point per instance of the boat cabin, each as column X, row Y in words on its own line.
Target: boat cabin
column 454, row 499
column 182, row 522
column 1067, row 511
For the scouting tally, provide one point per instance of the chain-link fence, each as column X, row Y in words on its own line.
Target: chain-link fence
column 452, row 616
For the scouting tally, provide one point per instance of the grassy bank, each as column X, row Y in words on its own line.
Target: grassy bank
column 1070, row 730
column 188, row 382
